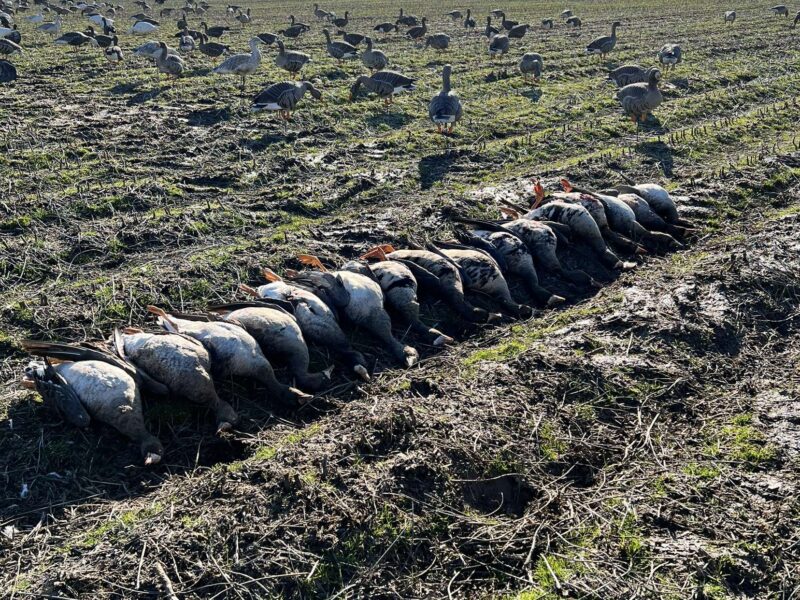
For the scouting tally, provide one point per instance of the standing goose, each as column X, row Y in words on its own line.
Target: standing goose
column 513, row 256
column 373, row 59
column 547, row 23
column 455, row 15
column 233, row 351
column 186, row 43
column 354, row 39
column 212, row 49
column 438, row 41
column 399, row 287
column 244, row 18
column 51, row 28
column 628, row 74
column 8, row 72
column 7, row 47
column 638, row 100
column 90, row 385
column 469, row 22
column 38, row 18
column 180, row 363
column 341, row 22
column 339, row 50
column 279, row 336
column 445, row 108
column 796, row 19
column 169, row 64
column 780, row 10
column 605, row 44
column 385, row 84
column 418, row 32
column 566, row 14
column 290, row 61
column 142, row 28
column 76, row 39
column 670, row 55
column 518, row 31
column 490, row 31
column 294, row 31
column 114, row 53
column 215, row 32
column 385, row 27
column 317, row 320
column 439, row 276
column 498, row 45
column 730, row 16
column 506, row 23
column 284, row 97
column 268, row 39
column 530, row 65
column 320, row 14
column 360, row 298
column 242, row 64
column 295, row 23
column 407, row 20
column 575, row 22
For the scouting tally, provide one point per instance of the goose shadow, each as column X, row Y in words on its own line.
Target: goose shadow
column 433, row 168
column 659, row 152
column 533, row 94
column 392, row 119
column 125, row 88
column 208, row 117
column 145, row 96
column 336, row 75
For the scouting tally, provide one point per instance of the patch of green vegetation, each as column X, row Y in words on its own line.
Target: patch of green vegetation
column 264, row 453
column 126, row 521
column 551, row 447
column 631, row 540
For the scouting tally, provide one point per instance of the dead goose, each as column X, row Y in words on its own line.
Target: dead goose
column 730, row 16
column 418, row 32
column 628, row 74
column 638, row 100
column 284, row 97
column 649, row 218
column 399, row 287
column 373, row 59
column 490, row 31
column 605, row 44
column 384, row 84
column 290, row 60
column 530, row 65
column 279, row 335
column 670, row 55
column 445, row 108
column 657, row 198
column 242, row 64
column 439, row 276
column 781, row 10
column 512, row 255
column 339, row 50
column 498, row 45
column 541, row 241
column 169, row 64
column 142, row 28
column 317, row 321
column 233, row 351
column 575, row 22
column 481, row 273
column 360, row 298
column 180, row 363
column 89, row 386
column 438, row 41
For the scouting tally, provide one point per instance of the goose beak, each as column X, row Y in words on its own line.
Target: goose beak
column 152, row 459
column 494, row 317
column 302, row 397
column 362, row 372
column 224, row 427
column 555, row 300
column 28, row 383
column 411, row 360
column 640, row 250
column 628, row 266
column 595, row 284
column 327, row 372
column 442, row 340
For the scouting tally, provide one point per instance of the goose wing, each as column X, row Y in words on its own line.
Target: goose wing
column 445, row 108
column 599, row 43
column 283, row 94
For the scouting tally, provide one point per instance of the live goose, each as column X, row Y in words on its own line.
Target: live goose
column 89, row 385
column 51, row 28
column 418, row 32
column 284, row 97
column 407, row 20
column 638, row 100
column 399, row 287
column 319, row 13
column 242, row 64
column 186, row 44
column 38, row 18
column 385, row 27
column 605, row 44
column 670, row 55
column 373, row 59
column 566, row 14
column 438, row 41
column 279, row 336
column 152, row 50
column 293, row 31
column 628, row 74
column 316, row 319
column 268, row 39
column 341, row 22
column 541, row 241
column 233, row 351
column 104, row 40
column 354, row 39
column 180, row 363
column 498, row 45
column 796, row 19
column 295, row 23
column 360, row 298
column 142, row 28
column 506, row 23
column 455, row 15
column 780, row 10
column 290, row 61
column 8, row 72
column 384, row 84
column 481, row 273
column 490, row 31
column 76, row 39
column 169, row 64
column 512, row 255
column 575, row 22
column 445, row 107
column 113, row 52
column 339, row 50
column 193, row 33
column 439, row 276
column 469, row 22
column 730, row 16
column 530, row 65
column 547, row 23
column 7, row 47
column 244, row 18
column 215, row 32
column 518, row 31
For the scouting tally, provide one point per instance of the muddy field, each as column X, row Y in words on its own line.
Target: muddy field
column 640, row 442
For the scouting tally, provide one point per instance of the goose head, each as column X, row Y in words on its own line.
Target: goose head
column 362, row 79
column 315, row 93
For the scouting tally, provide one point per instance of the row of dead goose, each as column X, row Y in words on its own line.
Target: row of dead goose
column 104, row 381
